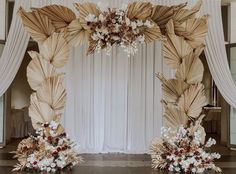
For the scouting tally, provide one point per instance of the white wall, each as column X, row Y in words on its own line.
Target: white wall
column 233, row 22
column 2, row 19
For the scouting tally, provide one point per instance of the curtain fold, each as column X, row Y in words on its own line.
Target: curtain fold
column 14, row 49
column 216, row 53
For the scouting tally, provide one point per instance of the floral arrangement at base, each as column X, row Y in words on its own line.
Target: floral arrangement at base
column 183, row 151
column 50, row 150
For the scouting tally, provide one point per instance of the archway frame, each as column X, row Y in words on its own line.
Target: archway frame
column 56, row 28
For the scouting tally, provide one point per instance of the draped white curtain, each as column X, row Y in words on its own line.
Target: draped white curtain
column 216, row 53
column 14, row 49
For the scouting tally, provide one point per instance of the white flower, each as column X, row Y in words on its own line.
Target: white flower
column 139, row 23
column 148, row 24
column 133, row 25
column 48, row 169
column 91, row 18
column 210, row 142
column 194, row 170
column 101, row 17
column 141, row 38
column 171, row 168
column 53, row 165
column 60, row 142
column 53, row 125
column 182, row 131
column 200, row 170
column 177, row 169
column 215, row 156
column 127, row 21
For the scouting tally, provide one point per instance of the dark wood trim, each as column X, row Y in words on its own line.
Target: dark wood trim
column 2, row 41
column 3, row 143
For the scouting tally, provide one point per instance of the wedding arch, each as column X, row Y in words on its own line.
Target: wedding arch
column 56, row 28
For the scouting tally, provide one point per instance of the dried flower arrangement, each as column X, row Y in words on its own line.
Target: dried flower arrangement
column 183, row 151
column 114, row 27
column 50, row 150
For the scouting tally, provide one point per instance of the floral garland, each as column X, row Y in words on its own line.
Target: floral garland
column 183, row 151
column 113, row 27
column 47, row 151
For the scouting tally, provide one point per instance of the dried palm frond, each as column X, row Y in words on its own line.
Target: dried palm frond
column 175, row 48
column 52, row 92
column 56, row 50
column 184, row 14
column 198, row 50
column 85, row 9
column 38, row 70
column 197, row 127
column 92, row 46
column 40, row 112
column 172, row 88
column 192, row 100
column 162, row 14
column 60, row 16
column 191, row 70
column 35, row 55
column 39, row 26
column 76, row 34
column 193, row 30
column 18, row 167
column 174, row 117
column 139, row 10
column 151, row 34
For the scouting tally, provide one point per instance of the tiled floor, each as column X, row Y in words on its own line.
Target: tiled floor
column 118, row 163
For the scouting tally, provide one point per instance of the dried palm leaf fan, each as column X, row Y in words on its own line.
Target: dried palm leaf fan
column 39, row 70
column 162, row 14
column 52, row 92
column 39, row 26
column 175, row 48
column 39, row 112
column 191, row 70
column 152, row 34
column 76, row 34
column 174, row 117
column 56, row 50
column 193, row 30
column 184, row 14
column 139, row 10
column 172, row 88
column 84, row 10
column 192, row 100
column 60, row 16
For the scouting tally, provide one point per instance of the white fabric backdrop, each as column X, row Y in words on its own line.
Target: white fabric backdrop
column 113, row 103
